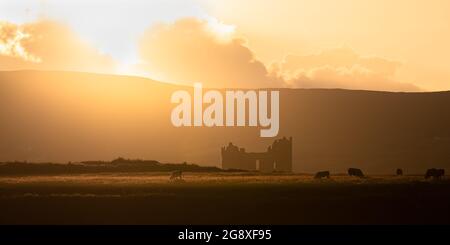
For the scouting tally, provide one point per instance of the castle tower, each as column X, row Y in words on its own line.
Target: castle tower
column 282, row 154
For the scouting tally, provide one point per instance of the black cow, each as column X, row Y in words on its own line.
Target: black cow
column 322, row 174
column 434, row 173
column 355, row 172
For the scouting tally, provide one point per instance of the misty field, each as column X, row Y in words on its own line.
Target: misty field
column 222, row 198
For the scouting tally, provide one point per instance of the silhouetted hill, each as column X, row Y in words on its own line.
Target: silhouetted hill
column 118, row 165
column 68, row 116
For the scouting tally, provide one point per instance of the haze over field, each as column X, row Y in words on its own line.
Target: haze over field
column 222, row 198
column 66, row 116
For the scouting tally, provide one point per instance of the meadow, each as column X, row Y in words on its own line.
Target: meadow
column 222, row 198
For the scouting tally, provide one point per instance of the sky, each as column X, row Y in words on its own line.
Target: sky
column 372, row 44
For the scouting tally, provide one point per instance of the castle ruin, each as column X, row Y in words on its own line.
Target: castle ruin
column 278, row 157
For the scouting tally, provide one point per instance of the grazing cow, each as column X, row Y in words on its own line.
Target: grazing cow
column 176, row 175
column 399, row 172
column 442, row 172
column 355, row 172
column 322, row 174
column 434, row 173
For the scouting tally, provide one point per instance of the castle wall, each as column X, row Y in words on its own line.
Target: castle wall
column 278, row 157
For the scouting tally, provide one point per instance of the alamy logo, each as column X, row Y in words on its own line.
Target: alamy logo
column 238, row 108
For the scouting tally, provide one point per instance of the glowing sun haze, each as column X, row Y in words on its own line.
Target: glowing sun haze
column 373, row 44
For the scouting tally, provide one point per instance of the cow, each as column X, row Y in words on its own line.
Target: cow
column 176, row 175
column 355, row 172
column 399, row 172
column 322, row 174
column 434, row 173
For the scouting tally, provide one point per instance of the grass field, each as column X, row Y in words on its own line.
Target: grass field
column 222, row 198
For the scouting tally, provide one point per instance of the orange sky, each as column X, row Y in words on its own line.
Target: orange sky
column 372, row 44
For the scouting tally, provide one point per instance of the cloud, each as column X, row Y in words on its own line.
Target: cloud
column 356, row 77
column 11, row 42
column 192, row 50
column 340, row 68
column 196, row 50
column 48, row 45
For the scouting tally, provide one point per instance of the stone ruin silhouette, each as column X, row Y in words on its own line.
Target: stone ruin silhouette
column 278, row 157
